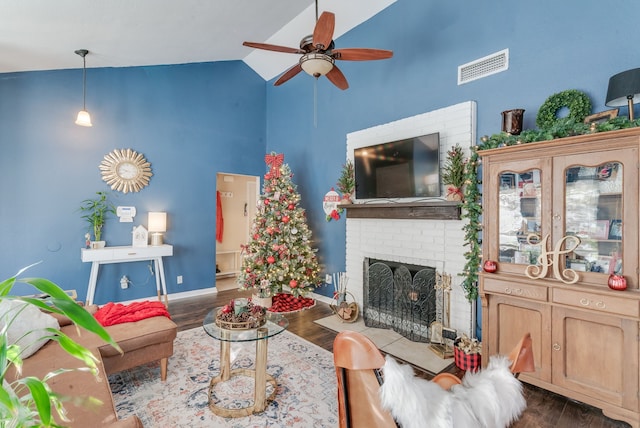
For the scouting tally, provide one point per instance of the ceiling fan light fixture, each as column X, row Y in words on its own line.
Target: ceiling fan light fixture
column 316, row 64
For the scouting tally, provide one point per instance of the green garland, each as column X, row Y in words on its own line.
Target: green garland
column 577, row 102
column 472, row 205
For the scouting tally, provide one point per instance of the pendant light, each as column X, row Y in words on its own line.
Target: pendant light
column 83, row 115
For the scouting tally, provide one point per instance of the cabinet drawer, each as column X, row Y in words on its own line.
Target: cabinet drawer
column 527, row 291
column 124, row 253
column 598, row 302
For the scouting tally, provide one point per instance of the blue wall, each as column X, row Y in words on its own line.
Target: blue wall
column 553, row 46
column 192, row 121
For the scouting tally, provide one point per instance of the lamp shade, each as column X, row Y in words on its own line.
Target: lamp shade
column 316, row 64
column 157, row 222
column 622, row 87
column 83, row 118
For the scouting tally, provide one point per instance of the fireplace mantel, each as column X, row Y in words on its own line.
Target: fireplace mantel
column 436, row 210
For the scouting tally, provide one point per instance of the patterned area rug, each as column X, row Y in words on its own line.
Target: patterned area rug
column 305, row 396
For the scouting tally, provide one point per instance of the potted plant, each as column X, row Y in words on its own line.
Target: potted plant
column 347, row 182
column 453, row 173
column 28, row 401
column 96, row 212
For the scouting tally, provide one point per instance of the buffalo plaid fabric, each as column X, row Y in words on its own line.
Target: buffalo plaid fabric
column 466, row 361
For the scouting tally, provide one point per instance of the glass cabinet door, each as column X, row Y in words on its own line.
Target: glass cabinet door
column 519, row 223
column 594, row 214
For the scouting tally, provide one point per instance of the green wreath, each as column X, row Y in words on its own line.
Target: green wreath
column 577, row 102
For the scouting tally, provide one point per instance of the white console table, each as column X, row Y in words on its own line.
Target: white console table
column 108, row 255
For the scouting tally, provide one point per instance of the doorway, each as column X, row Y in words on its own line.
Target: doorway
column 237, row 196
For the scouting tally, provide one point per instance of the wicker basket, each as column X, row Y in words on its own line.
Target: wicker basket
column 235, row 325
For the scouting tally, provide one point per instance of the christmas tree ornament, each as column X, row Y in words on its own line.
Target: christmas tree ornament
column 285, row 219
column 330, row 205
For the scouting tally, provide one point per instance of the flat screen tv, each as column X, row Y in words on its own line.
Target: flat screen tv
column 407, row 168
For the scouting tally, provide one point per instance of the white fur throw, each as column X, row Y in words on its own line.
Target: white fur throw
column 490, row 398
column 27, row 329
column 412, row 401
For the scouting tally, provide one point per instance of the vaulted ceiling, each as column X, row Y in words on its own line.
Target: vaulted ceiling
column 43, row 34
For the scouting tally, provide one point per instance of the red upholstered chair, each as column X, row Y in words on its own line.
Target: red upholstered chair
column 357, row 360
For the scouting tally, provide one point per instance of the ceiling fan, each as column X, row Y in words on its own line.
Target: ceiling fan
column 319, row 54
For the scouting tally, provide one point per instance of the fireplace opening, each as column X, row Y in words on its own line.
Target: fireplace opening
column 400, row 296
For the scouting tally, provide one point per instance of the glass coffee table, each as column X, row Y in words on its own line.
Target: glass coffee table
column 276, row 324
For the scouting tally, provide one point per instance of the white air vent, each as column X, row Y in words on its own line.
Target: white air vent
column 490, row 64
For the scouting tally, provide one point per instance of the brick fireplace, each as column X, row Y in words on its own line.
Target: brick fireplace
column 414, row 232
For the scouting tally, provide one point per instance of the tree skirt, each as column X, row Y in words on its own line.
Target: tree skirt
column 306, row 394
column 286, row 303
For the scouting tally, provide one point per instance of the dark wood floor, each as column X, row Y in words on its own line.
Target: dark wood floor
column 544, row 409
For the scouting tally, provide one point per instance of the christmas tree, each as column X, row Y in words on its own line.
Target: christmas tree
column 279, row 252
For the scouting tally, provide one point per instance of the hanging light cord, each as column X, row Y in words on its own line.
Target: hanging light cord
column 84, row 82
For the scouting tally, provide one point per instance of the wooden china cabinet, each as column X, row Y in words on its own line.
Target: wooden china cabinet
column 570, row 204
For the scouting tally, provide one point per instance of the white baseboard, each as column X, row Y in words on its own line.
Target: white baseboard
column 212, row 290
column 177, row 296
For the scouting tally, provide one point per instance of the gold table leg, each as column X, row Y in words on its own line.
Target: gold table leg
column 260, row 376
column 260, row 398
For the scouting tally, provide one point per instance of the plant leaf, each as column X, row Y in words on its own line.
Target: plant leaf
column 70, row 308
column 74, row 349
column 40, row 393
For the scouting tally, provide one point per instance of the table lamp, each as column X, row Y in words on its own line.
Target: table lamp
column 157, row 225
column 623, row 87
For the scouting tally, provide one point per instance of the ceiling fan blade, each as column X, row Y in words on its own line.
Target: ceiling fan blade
column 275, row 48
column 360, row 54
column 288, row 74
column 323, row 31
column 337, row 78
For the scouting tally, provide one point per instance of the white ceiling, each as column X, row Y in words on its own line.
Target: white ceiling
column 43, row 34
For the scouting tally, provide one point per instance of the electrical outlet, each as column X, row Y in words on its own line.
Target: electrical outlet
column 179, row 279
column 328, row 279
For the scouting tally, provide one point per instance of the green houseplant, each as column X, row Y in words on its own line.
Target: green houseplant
column 96, row 211
column 347, row 182
column 29, row 401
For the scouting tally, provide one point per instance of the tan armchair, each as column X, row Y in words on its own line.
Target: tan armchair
column 358, row 361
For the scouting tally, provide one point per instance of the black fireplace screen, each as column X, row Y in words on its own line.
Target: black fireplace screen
column 401, row 297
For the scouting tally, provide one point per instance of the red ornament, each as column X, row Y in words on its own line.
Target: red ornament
column 271, row 259
column 617, row 282
column 267, row 189
column 490, row 266
column 285, row 219
column 256, row 236
column 266, row 201
column 291, row 206
column 293, row 283
column 248, row 270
